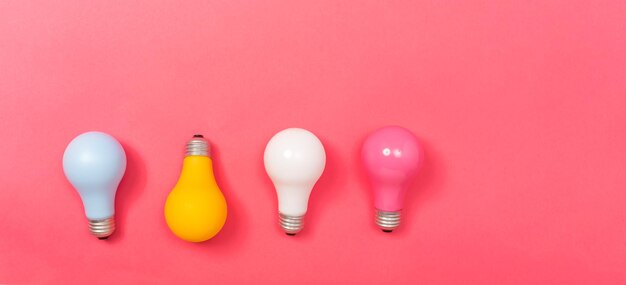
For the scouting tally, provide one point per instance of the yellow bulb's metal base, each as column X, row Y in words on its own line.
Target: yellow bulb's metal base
column 198, row 145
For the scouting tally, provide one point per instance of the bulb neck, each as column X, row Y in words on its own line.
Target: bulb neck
column 99, row 203
column 198, row 146
column 389, row 196
column 291, row 224
column 293, row 200
column 102, row 228
column 388, row 220
column 196, row 173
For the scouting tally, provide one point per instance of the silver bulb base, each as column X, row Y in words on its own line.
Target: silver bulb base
column 387, row 221
column 198, row 146
column 103, row 228
column 291, row 224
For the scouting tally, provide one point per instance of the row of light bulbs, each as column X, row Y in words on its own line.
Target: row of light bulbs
column 195, row 210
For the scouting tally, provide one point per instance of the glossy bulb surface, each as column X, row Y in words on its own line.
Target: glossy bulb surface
column 294, row 160
column 196, row 209
column 94, row 163
column 391, row 157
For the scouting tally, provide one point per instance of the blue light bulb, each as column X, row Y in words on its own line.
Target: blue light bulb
column 94, row 162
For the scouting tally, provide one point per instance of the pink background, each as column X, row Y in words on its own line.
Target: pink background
column 520, row 104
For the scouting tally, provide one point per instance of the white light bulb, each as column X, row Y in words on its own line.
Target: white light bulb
column 294, row 160
column 94, row 163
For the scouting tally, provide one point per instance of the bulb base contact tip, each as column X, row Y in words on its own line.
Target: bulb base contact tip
column 198, row 145
column 291, row 224
column 387, row 221
column 103, row 228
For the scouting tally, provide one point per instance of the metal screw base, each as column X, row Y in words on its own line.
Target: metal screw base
column 387, row 221
column 102, row 229
column 198, row 145
column 291, row 224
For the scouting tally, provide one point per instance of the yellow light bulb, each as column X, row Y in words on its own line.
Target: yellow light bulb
column 195, row 210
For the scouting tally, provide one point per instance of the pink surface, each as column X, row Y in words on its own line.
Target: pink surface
column 520, row 106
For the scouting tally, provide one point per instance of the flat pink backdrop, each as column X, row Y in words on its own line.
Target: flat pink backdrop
column 521, row 106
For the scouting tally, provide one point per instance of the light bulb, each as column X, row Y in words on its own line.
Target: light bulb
column 391, row 156
column 95, row 163
column 294, row 160
column 196, row 209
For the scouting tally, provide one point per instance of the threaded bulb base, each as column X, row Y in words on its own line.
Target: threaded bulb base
column 291, row 224
column 387, row 221
column 103, row 228
column 198, row 145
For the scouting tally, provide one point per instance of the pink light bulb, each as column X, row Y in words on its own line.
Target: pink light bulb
column 392, row 156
